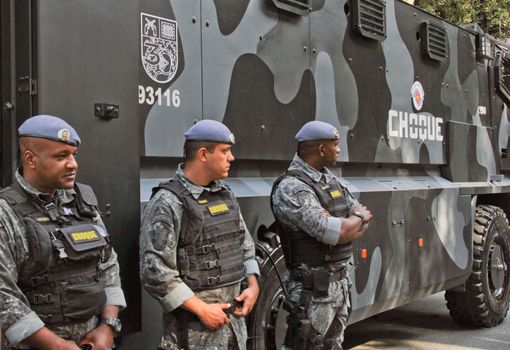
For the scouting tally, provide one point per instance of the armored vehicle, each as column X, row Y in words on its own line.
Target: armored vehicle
column 422, row 107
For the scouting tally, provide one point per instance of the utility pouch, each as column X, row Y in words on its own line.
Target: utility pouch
column 320, row 283
column 304, row 329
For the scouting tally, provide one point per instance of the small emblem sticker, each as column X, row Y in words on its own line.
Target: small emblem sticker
column 418, row 95
column 64, row 135
column 159, row 47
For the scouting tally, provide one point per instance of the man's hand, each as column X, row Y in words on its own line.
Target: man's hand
column 100, row 338
column 248, row 297
column 366, row 213
column 353, row 227
column 45, row 339
column 213, row 317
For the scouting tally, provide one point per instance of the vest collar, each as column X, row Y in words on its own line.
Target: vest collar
column 195, row 189
column 314, row 174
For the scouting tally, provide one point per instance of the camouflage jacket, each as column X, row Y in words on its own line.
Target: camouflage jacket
column 161, row 224
column 16, row 318
column 296, row 206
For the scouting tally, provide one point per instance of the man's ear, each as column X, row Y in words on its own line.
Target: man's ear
column 29, row 159
column 202, row 152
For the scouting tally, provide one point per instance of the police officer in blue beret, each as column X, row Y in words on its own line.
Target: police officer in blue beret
column 195, row 249
column 59, row 274
column 317, row 219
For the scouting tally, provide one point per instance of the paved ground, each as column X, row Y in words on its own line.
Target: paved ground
column 426, row 325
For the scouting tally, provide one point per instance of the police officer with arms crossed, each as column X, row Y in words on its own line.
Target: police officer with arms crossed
column 317, row 220
column 195, row 248
column 60, row 283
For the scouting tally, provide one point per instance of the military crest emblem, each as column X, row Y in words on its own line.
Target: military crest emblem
column 64, row 135
column 418, row 95
column 160, row 49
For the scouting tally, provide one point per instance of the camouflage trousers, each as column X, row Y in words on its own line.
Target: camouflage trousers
column 328, row 315
column 231, row 337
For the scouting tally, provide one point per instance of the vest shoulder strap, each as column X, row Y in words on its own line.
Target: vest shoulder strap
column 292, row 173
column 180, row 192
column 12, row 196
column 87, row 194
column 173, row 186
column 19, row 201
column 301, row 176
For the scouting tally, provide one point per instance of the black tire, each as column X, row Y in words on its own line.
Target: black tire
column 486, row 298
column 267, row 321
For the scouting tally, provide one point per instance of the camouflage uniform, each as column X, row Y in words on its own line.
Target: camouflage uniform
column 297, row 207
column 160, row 229
column 17, row 319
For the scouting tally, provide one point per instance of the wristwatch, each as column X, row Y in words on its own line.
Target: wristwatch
column 359, row 215
column 114, row 323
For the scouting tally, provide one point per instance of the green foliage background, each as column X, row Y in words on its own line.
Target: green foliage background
column 493, row 16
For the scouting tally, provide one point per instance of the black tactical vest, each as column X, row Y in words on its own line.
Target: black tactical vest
column 209, row 251
column 298, row 246
column 61, row 279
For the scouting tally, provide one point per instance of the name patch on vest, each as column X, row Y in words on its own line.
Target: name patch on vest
column 203, row 201
column 335, row 194
column 218, row 209
column 83, row 237
column 42, row 219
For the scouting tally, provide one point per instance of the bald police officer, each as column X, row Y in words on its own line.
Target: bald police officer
column 317, row 220
column 59, row 274
column 195, row 248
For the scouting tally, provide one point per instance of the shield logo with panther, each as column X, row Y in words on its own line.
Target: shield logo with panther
column 159, row 47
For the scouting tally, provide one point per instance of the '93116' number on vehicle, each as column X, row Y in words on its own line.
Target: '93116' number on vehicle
column 149, row 95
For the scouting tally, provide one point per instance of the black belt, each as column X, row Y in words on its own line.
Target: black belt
column 338, row 275
column 334, row 276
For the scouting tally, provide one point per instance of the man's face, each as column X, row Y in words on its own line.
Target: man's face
column 331, row 150
column 54, row 165
column 218, row 161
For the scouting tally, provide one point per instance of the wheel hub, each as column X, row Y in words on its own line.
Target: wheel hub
column 498, row 269
column 275, row 325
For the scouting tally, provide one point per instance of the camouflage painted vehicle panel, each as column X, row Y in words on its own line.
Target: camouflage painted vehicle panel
column 424, row 130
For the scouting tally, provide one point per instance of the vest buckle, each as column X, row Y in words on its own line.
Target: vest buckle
column 207, row 248
column 59, row 245
column 213, row 280
column 51, row 209
column 37, row 281
column 42, row 299
column 212, row 264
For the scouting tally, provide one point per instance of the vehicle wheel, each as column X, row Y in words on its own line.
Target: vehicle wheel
column 486, row 298
column 267, row 321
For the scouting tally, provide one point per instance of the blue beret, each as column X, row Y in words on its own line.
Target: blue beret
column 210, row 130
column 49, row 127
column 317, row 130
